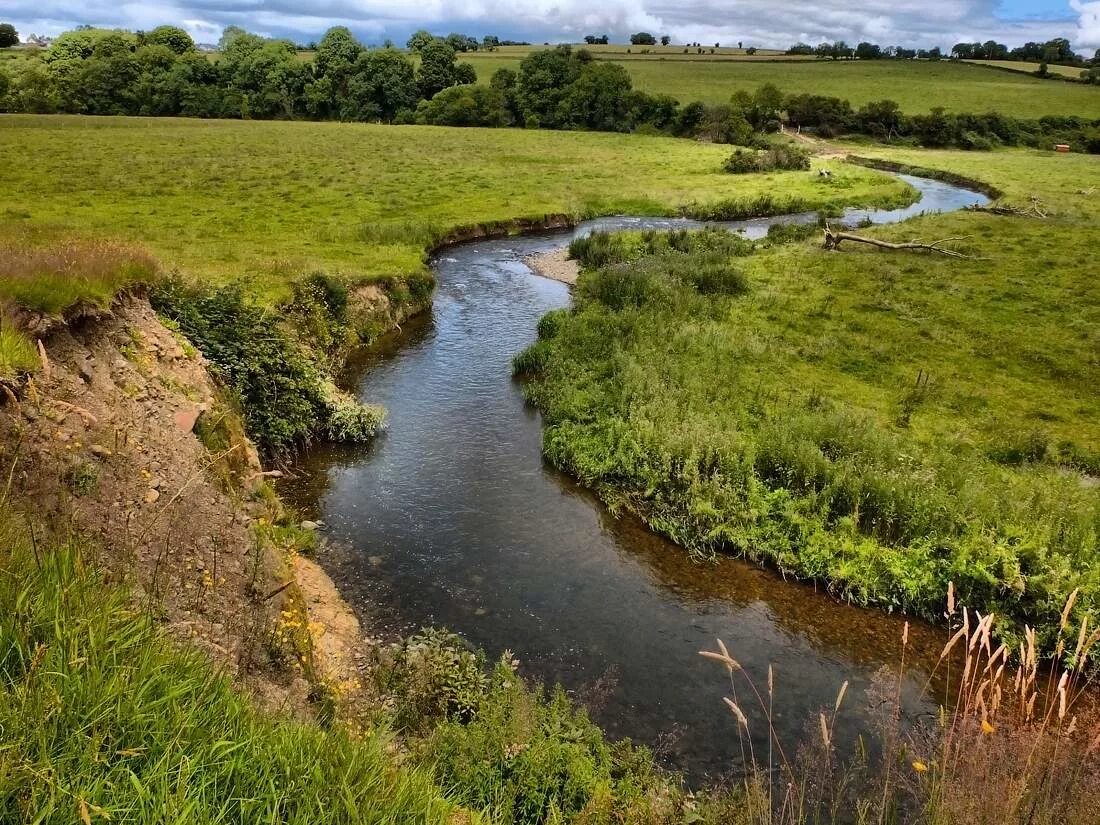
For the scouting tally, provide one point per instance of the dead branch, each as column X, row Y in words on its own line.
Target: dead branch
column 834, row 237
column 1036, row 210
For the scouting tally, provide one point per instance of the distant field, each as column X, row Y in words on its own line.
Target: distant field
column 274, row 200
column 1029, row 68
column 917, row 86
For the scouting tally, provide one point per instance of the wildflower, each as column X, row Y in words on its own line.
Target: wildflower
column 920, row 767
column 987, row 728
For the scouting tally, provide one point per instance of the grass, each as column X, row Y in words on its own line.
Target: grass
column 916, row 86
column 884, row 422
column 128, row 728
column 274, row 201
column 1072, row 72
column 52, row 275
column 1007, row 746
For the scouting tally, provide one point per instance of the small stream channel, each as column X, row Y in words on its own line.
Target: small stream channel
column 452, row 518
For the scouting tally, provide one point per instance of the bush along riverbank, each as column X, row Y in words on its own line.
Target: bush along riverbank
column 833, row 415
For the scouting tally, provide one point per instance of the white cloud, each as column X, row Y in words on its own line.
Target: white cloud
column 1088, row 24
column 756, row 22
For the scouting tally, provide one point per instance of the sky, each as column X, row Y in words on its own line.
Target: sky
column 761, row 23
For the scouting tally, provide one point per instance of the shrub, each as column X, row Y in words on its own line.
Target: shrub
column 280, row 392
column 780, row 157
column 347, row 419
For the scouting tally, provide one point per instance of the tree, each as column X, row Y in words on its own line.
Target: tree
column 172, row 37
column 461, row 42
column 419, row 40
column 490, row 43
column 544, row 78
column 8, row 36
column 229, row 34
column 801, row 48
column 437, row 68
column 665, row 39
column 868, row 51
column 336, row 54
column 466, row 105
column 381, row 85
column 597, row 99
column 643, row 39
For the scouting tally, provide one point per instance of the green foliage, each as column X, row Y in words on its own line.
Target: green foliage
column 785, row 425
column 780, row 157
column 18, row 355
column 8, row 36
column 173, row 37
column 434, row 677
column 131, row 728
column 279, row 390
column 437, row 68
column 466, row 105
column 83, row 478
column 349, row 421
column 530, row 759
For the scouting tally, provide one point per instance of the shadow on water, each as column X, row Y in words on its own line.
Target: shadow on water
column 452, row 518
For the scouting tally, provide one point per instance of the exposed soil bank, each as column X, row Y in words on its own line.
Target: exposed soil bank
column 105, row 441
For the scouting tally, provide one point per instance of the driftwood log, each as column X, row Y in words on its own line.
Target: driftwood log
column 834, row 237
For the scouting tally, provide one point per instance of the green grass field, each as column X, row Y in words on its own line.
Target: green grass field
column 1073, row 72
column 884, row 421
column 917, row 86
column 274, row 200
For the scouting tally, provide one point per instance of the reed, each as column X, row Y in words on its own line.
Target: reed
column 1010, row 744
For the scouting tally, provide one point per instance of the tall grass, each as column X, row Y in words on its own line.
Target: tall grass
column 103, row 720
column 1015, row 741
column 64, row 274
column 17, row 353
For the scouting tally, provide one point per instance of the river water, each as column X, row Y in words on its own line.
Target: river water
column 452, row 518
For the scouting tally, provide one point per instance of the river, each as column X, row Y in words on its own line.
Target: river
column 453, row 518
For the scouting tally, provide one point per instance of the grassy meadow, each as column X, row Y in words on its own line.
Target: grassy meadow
column 276, row 200
column 1072, row 72
column 916, row 86
column 885, row 422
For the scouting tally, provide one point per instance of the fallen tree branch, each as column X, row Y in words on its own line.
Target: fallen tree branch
column 834, row 237
column 1035, row 211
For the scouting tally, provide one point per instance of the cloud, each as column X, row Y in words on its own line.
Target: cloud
column 756, row 22
column 1088, row 24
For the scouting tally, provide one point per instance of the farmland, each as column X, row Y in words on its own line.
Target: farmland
column 915, row 85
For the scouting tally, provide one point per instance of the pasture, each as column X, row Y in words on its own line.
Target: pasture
column 916, row 85
column 275, row 200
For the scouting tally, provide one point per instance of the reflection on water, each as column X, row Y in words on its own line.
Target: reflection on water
column 452, row 518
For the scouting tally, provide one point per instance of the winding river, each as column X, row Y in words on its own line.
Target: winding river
column 452, row 518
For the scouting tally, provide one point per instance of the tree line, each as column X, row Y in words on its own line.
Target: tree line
column 1057, row 50
column 160, row 72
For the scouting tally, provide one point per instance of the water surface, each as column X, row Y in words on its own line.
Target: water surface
column 452, row 518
